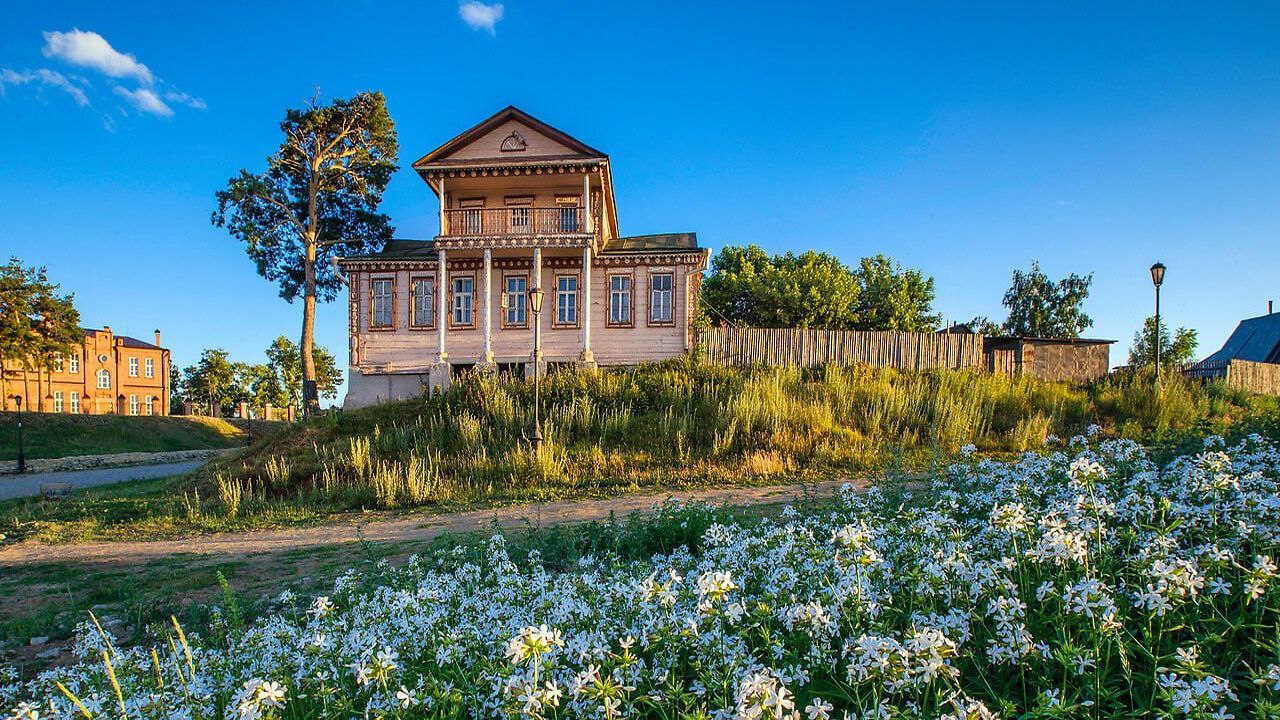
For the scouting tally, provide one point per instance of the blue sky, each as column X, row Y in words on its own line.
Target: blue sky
column 965, row 139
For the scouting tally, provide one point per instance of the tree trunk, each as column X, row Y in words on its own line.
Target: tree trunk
column 310, row 398
column 39, row 389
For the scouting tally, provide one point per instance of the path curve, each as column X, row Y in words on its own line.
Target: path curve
column 415, row 527
column 28, row 485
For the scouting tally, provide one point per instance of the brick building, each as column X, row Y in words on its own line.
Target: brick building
column 104, row 374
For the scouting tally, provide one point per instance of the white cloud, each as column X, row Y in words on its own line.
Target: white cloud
column 44, row 77
column 480, row 16
column 91, row 50
column 145, row 100
column 185, row 99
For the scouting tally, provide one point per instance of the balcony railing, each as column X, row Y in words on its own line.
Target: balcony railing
column 515, row 221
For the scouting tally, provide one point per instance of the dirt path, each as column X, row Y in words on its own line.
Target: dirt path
column 417, row 527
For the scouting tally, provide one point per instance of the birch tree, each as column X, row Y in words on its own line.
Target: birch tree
column 318, row 198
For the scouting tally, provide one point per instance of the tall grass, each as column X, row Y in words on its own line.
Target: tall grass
column 682, row 423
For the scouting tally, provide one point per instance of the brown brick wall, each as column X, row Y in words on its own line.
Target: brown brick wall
column 101, row 350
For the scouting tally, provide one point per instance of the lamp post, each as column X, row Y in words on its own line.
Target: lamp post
column 535, row 305
column 1157, row 279
column 22, row 454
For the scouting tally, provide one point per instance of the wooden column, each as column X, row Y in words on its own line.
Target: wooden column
column 443, row 312
column 537, row 285
column 444, row 228
column 587, row 357
column 586, row 201
column 488, row 305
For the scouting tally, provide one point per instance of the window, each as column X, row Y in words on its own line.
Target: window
column 104, row 379
column 567, row 214
column 74, row 365
column 566, row 299
column 620, row 300
column 520, row 214
column 517, row 287
column 463, row 291
column 383, row 291
column 660, row 295
column 424, row 303
column 148, row 405
column 149, row 367
column 57, row 401
column 75, row 403
column 57, row 363
column 133, row 404
column 133, row 367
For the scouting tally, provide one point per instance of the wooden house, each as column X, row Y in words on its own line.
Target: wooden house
column 523, row 207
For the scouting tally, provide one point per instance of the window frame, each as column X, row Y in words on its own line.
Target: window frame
column 73, row 363
column 73, row 403
column 103, row 373
column 413, row 301
column 524, row 323
column 630, row 322
column 57, row 401
column 148, row 405
column 373, row 311
column 512, row 203
column 577, row 300
column 133, row 366
column 472, row 222
column 454, row 278
column 149, row 367
column 650, row 315
column 135, row 408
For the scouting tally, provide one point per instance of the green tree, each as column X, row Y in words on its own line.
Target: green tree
column 1175, row 351
column 747, row 286
column 38, row 324
column 283, row 360
column 177, row 394
column 321, row 189
column 259, row 385
column 212, row 381
column 1039, row 307
column 893, row 298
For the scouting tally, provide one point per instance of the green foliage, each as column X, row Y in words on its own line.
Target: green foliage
column 1175, row 351
column 38, row 324
column 213, row 380
column 51, row 435
column 285, row 362
column 748, row 286
column 1039, row 307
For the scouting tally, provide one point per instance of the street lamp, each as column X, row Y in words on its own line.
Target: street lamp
column 1157, row 279
column 535, row 305
column 22, row 454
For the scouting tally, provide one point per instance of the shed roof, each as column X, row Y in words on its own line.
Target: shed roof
column 1256, row 339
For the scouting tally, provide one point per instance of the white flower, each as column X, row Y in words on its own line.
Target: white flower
column 819, row 709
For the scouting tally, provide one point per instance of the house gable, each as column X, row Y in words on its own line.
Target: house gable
column 510, row 136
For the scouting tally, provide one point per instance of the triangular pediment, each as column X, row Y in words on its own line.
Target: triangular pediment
column 511, row 135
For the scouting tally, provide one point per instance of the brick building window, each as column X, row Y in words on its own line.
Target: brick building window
column 149, row 367
column 73, row 366
column 133, row 404
column 133, row 367
column 104, row 379
column 57, row 363
column 74, row 407
column 57, row 401
column 148, row 405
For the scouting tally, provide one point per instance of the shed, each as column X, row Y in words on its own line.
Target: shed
column 1256, row 339
column 1057, row 359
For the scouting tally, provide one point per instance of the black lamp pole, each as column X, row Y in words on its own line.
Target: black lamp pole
column 22, row 453
column 535, row 305
column 1157, row 279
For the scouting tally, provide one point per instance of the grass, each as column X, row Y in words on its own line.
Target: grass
column 678, row 424
column 48, row 435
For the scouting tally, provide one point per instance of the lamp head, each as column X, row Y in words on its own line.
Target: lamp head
column 1157, row 274
column 535, row 300
column 17, row 400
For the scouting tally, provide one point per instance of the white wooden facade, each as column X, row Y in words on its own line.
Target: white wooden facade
column 522, row 206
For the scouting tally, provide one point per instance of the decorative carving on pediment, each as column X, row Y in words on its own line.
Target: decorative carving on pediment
column 513, row 143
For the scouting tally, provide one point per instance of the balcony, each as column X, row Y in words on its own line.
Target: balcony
column 514, row 221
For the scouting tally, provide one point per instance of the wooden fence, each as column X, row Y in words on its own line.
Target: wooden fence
column 810, row 348
column 1244, row 374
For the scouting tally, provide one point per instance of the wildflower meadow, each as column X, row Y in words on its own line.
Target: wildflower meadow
column 1080, row 582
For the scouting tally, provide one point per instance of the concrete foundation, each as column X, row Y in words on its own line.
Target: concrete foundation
column 364, row 390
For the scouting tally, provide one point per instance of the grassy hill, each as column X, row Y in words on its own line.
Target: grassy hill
column 48, row 435
column 679, row 424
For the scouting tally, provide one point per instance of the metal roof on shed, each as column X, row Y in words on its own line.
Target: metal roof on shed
column 1256, row 339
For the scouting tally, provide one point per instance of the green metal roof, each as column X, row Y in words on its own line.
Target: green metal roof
column 401, row 250
column 642, row 243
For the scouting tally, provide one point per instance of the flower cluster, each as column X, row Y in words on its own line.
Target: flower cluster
column 1085, row 582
